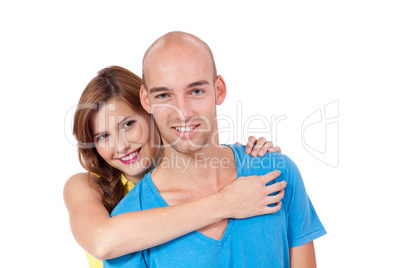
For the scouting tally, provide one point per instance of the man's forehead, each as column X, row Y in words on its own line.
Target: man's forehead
column 178, row 64
column 174, row 50
column 174, row 40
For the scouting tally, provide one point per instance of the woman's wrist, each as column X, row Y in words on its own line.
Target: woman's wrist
column 220, row 205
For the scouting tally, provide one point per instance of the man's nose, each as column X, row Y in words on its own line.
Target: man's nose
column 185, row 108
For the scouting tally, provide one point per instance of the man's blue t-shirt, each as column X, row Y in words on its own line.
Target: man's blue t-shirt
column 261, row 241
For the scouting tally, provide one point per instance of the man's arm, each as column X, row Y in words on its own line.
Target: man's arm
column 303, row 256
column 304, row 226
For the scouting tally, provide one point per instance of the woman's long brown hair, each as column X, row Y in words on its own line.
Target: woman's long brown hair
column 111, row 82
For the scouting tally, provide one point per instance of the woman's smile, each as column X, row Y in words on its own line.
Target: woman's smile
column 130, row 157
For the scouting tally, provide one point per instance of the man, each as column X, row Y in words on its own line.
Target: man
column 181, row 90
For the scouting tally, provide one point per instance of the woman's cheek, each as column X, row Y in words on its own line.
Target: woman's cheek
column 106, row 152
column 139, row 132
column 133, row 135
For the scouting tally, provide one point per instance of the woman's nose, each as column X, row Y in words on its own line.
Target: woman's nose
column 122, row 145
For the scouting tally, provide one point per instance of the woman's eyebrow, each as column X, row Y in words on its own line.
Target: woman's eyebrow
column 124, row 118
column 98, row 134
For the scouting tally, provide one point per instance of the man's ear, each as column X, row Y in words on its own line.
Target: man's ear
column 144, row 98
column 220, row 87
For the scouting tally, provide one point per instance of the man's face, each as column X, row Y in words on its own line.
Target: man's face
column 181, row 95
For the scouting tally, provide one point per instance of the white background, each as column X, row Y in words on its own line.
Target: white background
column 279, row 58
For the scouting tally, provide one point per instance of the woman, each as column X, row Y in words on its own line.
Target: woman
column 118, row 144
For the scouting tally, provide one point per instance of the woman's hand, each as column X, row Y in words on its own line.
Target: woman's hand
column 249, row 196
column 260, row 147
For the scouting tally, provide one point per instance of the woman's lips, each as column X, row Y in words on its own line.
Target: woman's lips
column 130, row 157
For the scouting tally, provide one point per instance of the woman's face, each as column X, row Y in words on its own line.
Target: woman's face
column 125, row 139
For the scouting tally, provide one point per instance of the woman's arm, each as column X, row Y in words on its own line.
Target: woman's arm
column 105, row 237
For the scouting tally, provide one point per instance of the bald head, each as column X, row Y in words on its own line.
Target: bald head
column 175, row 43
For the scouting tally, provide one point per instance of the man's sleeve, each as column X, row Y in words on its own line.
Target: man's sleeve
column 303, row 223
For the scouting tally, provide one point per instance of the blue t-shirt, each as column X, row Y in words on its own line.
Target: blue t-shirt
column 261, row 241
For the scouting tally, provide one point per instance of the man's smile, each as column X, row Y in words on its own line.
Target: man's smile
column 186, row 131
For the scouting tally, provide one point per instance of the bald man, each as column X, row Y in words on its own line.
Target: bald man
column 181, row 90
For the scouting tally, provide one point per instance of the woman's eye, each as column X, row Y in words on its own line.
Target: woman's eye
column 102, row 137
column 128, row 124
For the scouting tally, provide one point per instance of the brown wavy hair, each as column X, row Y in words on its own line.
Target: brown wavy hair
column 111, row 82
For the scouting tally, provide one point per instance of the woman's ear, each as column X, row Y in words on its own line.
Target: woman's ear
column 220, row 89
column 144, row 97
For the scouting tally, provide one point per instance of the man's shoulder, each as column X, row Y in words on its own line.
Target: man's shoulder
column 259, row 164
column 132, row 200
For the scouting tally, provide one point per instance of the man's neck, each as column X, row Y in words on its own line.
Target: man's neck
column 211, row 167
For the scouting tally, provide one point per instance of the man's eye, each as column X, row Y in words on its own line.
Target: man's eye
column 162, row 96
column 197, row 91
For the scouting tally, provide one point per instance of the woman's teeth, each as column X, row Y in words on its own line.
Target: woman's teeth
column 182, row 129
column 130, row 156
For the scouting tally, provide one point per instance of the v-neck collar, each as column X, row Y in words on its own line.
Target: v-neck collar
column 196, row 233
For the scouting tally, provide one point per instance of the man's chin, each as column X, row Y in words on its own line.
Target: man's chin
column 187, row 146
column 187, row 149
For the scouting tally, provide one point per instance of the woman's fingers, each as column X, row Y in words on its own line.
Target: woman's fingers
column 250, row 144
column 276, row 187
column 275, row 149
column 261, row 151
column 273, row 199
column 274, row 209
column 260, row 147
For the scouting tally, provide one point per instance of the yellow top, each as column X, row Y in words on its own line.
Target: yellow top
column 92, row 261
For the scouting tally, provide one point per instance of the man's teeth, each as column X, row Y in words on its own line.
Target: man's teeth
column 182, row 129
column 130, row 156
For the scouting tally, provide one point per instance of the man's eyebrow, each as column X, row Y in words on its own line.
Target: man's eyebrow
column 165, row 89
column 158, row 89
column 198, row 83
